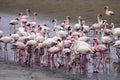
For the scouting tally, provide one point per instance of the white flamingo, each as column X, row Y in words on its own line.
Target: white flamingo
column 115, row 31
column 77, row 26
column 56, row 27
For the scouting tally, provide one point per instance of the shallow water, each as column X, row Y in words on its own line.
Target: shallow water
column 49, row 9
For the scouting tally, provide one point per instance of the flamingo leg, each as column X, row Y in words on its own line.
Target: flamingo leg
column 5, row 52
column 53, row 64
column 10, row 29
column 48, row 60
column 14, row 29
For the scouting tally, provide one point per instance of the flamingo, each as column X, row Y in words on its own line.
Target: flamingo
column 108, row 12
column 13, row 23
column 15, row 37
column 6, row 40
column 77, row 26
column 67, row 20
column 31, row 45
column 33, row 23
column 115, row 32
column 49, row 42
column 86, row 27
column 82, row 48
column 54, row 50
column 27, row 14
column 97, row 25
column 117, row 46
column 98, row 48
column 105, row 29
column 23, row 20
column 56, row 27
column 21, row 54
column 106, row 39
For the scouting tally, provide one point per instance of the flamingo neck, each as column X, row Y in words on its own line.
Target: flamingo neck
column 113, row 27
column 98, row 18
column 102, row 34
column 107, row 10
column 27, row 13
column 79, row 22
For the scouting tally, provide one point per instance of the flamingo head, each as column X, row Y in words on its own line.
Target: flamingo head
column 68, row 17
column 17, row 19
column 20, row 13
column 106, row 7
column 28, row 10
column 112, row 24
column 99, row 15
column 35, row 13
column 54, row 20
column 69, row 28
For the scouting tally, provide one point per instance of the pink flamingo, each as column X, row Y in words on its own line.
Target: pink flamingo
column 27, row 14
column 23, row 21
column 105, row 29
column 20, row 46
column 54, row 50
column 108, row 12
column 55, row 26
column 97, row 25
column 99, row 48
column 5, row 40
column 34, row 23
column 13, row 23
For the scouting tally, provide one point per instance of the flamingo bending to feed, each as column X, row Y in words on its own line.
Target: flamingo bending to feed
column 49, row 42
column 31, row 45
column 82, row 48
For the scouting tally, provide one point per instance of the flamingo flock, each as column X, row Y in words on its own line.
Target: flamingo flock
column 72, row 47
